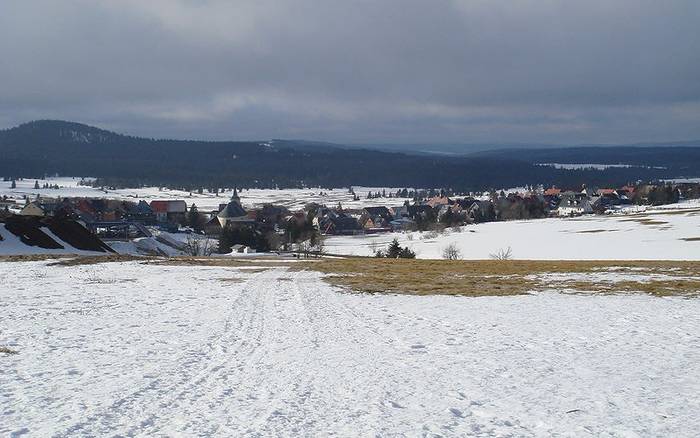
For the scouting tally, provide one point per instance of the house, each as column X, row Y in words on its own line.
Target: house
column 330, row 222
column 402, row 224
column 399, row 211
column 33, row 209
column 420, row 211
column 213, row 227
column 234, row 213
column 141, row 212
column 242, row 249
column 375, row 219
column 169, row 211
column 574, row 204
column 437, row 201
column 552, row 191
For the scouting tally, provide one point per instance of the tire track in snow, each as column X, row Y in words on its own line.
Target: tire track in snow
column 134, row 412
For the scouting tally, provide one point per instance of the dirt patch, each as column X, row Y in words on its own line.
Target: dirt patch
column 502, row 278
column 220, row 261
column 594, row 231
column 691, row 239
column 231, row 280
column 646, row 221
column 7, row 350
column 32, row 257
column 93, row 260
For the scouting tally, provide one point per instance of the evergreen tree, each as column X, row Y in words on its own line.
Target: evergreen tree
column 406, row 253
column 194, row 219
column 36, row 184
column 394, row 250
column 13, row 185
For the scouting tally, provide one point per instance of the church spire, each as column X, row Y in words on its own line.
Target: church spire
column 235, row 196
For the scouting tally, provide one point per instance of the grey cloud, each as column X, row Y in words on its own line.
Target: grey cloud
column 374, row 71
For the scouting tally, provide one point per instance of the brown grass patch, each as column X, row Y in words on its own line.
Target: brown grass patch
column 646, row 221
column 93, row 260
column 500, row 278
column 7, row 350
column 691, row 239
column 32, row 257
column 594, row 231
column 221, row 261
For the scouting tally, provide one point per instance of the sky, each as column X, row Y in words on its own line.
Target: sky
column 358, row 71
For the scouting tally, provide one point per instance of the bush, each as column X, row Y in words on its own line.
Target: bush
column 451, row 252
column 502, row 254
column 395, row 251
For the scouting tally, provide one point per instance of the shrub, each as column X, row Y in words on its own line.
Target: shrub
column 395, row 251
column 451, row 252
column 502, row 254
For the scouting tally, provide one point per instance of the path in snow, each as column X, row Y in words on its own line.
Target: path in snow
column 131, row 349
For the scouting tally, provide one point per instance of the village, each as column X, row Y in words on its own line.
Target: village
column 233, row 228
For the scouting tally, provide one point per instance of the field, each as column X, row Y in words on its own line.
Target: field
column 512, row 277
column 219, row 347
column 592, row 329
column 666, row 233
column 291, row 198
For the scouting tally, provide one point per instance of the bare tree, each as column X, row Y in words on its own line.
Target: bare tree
column 502, row 254
column 196, row 246
column 451, row 252
column 320, row 247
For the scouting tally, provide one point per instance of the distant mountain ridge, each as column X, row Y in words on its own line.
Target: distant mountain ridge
column 47, row 147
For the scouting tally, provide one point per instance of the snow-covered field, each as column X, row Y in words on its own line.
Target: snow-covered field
column 291, row 198
column 133, row 349
column 654, row 235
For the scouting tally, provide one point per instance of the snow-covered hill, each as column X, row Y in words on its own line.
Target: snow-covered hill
column 132, row 349
column 22, row 235
column 668, row 233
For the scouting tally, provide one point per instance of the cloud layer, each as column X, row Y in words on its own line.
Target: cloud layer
column 358, row 70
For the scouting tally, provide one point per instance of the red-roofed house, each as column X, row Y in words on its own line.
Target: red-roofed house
column 169, row 211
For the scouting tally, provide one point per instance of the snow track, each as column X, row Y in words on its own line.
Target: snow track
column 130, row 349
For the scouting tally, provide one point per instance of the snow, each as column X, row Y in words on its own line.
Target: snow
column 12, row 245
column 293, row 199
column 136, row 349
column 596, row 166
column 614, row 237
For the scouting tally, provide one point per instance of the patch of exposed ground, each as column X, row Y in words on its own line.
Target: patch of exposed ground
column 594, row 231
column 8, row 350
column 646, row 221
column 512, row 277
column 691, row 239
column 32, row 257
column 93, row 260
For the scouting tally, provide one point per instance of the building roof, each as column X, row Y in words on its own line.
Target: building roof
column 232, row 210
column 169, row 206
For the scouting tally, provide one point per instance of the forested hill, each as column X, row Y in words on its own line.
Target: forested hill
column 57, row 147
column 681, row 158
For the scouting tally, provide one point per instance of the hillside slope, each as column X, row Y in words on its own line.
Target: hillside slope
column 56, row 147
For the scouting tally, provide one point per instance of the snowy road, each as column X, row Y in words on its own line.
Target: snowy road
column 132, row 349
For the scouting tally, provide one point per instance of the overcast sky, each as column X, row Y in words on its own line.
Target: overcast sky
column 402, row 71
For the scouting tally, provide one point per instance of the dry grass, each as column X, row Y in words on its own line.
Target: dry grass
column 231, row 280
column 93, row 260
column 31, row 258
column 691, row 239
column 646, row 221
column 594, row 231
column 7, row 350
column 501, row 278
column 223, row 262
